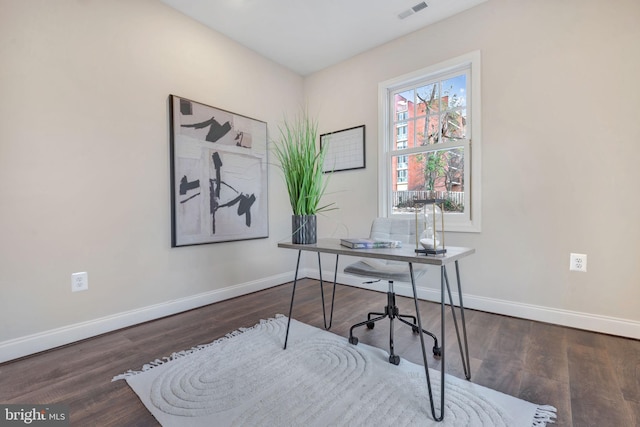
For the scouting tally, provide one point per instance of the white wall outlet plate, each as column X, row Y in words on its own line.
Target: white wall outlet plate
column 79, row 281
column 578, row 262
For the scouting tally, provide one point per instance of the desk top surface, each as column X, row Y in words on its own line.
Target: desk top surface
column 406, row 253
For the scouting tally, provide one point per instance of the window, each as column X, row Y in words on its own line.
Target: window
column 402, row 176
column 402, row 162
column 401, row 136
column 402, row 131
column 402, row 172
column 430, row 120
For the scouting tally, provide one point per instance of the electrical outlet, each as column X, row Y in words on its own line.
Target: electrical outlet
column 578, row 262
column 79, row 281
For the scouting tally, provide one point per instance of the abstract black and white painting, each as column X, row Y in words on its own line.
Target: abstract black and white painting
column 218, row 174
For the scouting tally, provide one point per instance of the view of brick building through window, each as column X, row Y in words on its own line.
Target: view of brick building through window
column 429, row 121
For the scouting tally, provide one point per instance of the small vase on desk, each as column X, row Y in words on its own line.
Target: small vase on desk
column 304, row 229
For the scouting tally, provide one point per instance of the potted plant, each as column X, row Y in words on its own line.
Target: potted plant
column 301, row 162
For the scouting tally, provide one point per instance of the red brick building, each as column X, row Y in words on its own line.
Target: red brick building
column 414, row 127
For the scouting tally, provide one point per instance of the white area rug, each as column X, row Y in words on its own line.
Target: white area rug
column 247, row 379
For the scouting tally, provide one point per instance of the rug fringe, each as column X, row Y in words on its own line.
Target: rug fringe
column 183, row 353
column 544, row 414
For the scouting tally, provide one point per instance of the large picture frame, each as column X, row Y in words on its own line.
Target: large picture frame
column 219, row 188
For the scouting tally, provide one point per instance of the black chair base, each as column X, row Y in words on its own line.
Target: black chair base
column 392, row 312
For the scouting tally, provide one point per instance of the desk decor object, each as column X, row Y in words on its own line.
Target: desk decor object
column 345, row 149
column 431, row 240
column 301, row 161
column 218, row 175
column 367, row 243
column 304, row 229
column 245, row 378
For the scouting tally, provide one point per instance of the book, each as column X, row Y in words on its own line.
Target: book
column 365, row 243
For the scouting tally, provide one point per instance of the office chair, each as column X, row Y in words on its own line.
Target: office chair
column 403, row 230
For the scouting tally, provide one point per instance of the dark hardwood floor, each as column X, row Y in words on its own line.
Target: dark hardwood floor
column 593, row 379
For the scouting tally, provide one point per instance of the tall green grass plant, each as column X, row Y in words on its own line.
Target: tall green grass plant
column 301, row 161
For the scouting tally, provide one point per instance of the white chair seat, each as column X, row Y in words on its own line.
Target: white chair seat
column 393, row 271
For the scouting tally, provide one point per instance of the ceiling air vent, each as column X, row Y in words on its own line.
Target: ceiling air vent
column 414, row 9
column 419, row 7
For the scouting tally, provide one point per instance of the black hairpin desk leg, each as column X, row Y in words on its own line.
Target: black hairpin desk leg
column 293, row 294
column 442, row 345
column 464, row 352
column 333, row 296
column 324, row 310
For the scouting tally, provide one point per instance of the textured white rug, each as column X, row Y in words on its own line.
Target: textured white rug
column 247, row 379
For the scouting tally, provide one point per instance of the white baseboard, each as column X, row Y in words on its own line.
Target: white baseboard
column 574, row 319
column 31, row 344
column 27, row 345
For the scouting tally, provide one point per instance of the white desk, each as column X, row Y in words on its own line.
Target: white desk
column 405, row 254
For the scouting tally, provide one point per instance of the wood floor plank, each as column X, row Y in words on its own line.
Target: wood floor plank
column 591, row 378
column 539, row 389
column 546, row 353
column 634, row 411
column 596, row 398
column 624, row 354
column 500, row 373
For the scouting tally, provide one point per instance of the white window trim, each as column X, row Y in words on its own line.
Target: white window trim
column 452, row 222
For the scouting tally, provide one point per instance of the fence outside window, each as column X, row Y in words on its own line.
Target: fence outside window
column 403, row 200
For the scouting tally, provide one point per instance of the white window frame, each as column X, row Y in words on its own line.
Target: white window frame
column 470, row 220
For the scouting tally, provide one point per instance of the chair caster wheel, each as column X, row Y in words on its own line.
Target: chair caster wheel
column 415, row 329
column 395, row 359
column 370, row 325
column 437, row 351
column 353, row 340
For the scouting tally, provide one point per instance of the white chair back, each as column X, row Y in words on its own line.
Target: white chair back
column 402, row 229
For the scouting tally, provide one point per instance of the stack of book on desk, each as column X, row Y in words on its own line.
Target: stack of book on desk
column 370, row 243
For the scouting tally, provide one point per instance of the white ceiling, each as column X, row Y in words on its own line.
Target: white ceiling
column 309, row 35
